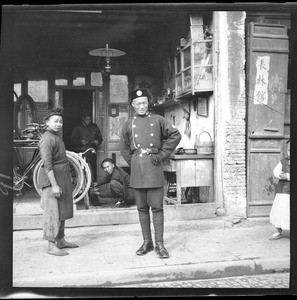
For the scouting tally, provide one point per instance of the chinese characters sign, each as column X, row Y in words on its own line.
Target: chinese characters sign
column 261, row 84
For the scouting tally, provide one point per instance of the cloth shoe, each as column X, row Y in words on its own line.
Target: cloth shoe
column 120, row 204
column 146, row 247
column 275, row 236
column 64, row 244
column 54, row 250
column 161, row 250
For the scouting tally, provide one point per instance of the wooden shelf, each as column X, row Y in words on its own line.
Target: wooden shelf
column 168, row 103
column 189, row 96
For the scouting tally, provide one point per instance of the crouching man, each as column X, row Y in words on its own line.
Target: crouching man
column 117, row 184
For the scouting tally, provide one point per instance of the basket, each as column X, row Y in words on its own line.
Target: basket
column 204, row 148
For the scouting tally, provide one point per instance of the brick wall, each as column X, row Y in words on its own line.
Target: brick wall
column 234, row 153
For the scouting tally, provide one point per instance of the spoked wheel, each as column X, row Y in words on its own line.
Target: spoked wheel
column 87, row 178
column 24, row 103
column 76, row 176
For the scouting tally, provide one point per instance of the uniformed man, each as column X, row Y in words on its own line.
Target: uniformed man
column 146, row 141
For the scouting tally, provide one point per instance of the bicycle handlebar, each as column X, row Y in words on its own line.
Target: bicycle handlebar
column 85, row 152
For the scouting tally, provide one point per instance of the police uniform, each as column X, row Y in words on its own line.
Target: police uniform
column 146, row 141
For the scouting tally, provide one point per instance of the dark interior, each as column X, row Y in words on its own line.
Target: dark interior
column 74, row 103
column 62, row 36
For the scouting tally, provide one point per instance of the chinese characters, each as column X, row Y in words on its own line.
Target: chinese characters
column 261, row 84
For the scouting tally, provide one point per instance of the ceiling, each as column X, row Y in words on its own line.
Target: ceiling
column 62, row 38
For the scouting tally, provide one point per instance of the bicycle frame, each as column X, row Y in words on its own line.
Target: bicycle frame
column 19, row 179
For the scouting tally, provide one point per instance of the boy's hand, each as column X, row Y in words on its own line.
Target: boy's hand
column 57, row 191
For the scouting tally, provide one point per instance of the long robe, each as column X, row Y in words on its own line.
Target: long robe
column 53, row 155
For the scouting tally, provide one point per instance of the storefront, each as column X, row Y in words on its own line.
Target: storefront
column 202, row 68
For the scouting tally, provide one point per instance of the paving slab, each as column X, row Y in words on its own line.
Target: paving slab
column 106, row 256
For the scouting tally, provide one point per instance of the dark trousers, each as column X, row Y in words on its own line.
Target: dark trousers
column 115, row 189
column 146, row 199
column 91, row 159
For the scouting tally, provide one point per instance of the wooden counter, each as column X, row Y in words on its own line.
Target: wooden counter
column 191, row 171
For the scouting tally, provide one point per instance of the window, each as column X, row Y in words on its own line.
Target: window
column 61, row 78
column 96, row 79
column 38, row 90
column 118, row 89
column 79, row 79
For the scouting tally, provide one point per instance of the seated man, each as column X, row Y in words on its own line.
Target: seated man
column 118, row 184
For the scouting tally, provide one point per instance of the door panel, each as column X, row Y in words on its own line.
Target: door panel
column 267, row 70
column 118, row 111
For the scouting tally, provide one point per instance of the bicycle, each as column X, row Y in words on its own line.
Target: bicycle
column 23, row 103
column 28, row 138
column 21, row 171
column 80, row 172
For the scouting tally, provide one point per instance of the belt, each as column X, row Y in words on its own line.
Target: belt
column 147, row 151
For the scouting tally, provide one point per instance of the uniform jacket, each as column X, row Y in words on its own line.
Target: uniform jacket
column 53, row 155
column 89, row 132
column 148, row 131
column 120, row 176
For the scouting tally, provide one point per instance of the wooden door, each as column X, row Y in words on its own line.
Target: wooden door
column 267, row 70
column 118, row 111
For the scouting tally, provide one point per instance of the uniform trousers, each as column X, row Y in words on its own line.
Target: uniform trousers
column 147, row 198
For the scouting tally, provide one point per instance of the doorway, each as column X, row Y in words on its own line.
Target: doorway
column 74, row 103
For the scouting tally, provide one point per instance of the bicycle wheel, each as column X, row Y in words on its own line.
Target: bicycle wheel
column 35, row 177
column 24, row 102
column 87, row 179
column 75, row 172
column 76, row 175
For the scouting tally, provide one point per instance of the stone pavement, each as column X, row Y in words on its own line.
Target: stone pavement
column 266, row 281
column 199, row 249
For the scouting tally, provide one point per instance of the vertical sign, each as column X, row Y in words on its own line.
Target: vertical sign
column 261, row 91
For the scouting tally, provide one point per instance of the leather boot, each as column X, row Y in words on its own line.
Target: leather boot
column 64, row 244
column 161, row 250
column 146, row 247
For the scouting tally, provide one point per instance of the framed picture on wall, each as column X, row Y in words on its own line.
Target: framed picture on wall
column 202, row 107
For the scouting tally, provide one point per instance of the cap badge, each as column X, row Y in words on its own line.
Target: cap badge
column 139, row 93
